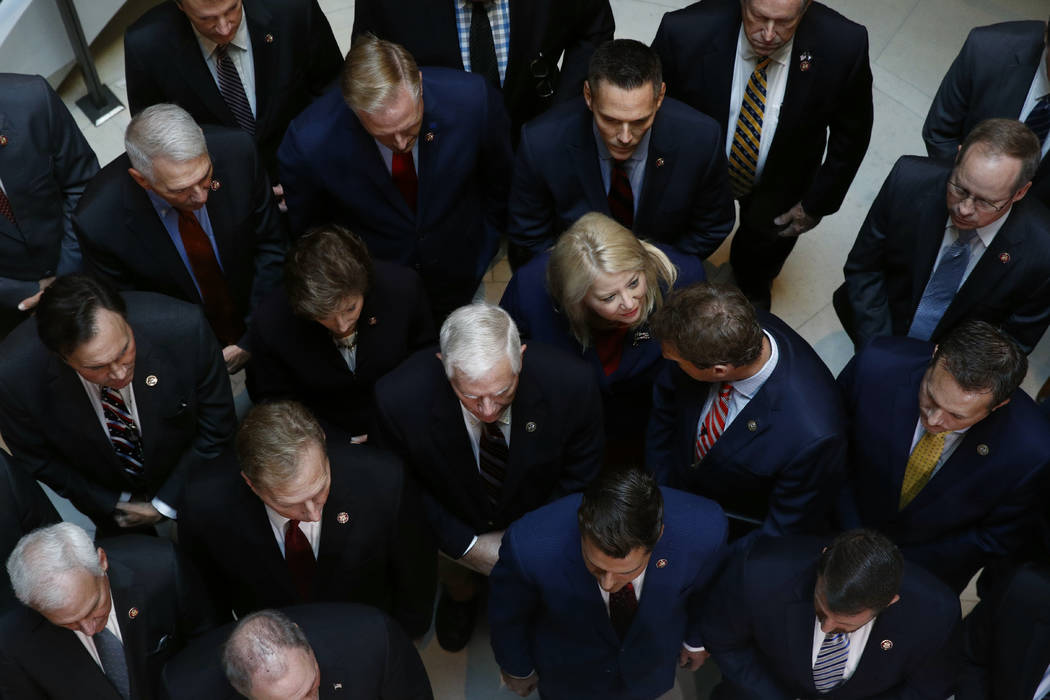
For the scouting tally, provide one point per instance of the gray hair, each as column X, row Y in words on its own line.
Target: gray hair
column 258, row 646
column 41, row 562
column 472, row 338
column 163, row 131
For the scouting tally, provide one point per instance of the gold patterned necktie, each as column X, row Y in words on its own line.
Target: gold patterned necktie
column 920, row 467
column 747, row 138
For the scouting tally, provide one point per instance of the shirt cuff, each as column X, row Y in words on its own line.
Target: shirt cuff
column 164, row 509
column 467, row 550
column 520, row 678
column 125, row 496
column 692, row 649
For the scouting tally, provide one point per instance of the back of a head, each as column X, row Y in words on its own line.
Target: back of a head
column 272, row 439
column 65, row 316
column 860, row 570
column 709, row 324
column 375, row 69
column 1005, row 138
column 163, row 131
column 626, row 64
column 326, row 265
column 40, row 564
column 982, row 359
column 622, row 510
column 476, row 338
column 258, row 646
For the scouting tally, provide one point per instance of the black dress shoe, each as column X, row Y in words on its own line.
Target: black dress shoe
column 454, row 622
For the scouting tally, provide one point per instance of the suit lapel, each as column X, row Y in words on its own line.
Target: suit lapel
column 259, row 534
column 370, row 163
column 658, row 166
column 799, row 84
column 132, row 610
column 146, row 231
column 902, row 430
column 335, row 530
column 449, row 433
column 265, row 56
column 222, row 219
column 583, row 153
column 195, row 71
column 929, row 220
column 75, row 416
column 430, row 146
column 799, row 619
column 11, row 164
column 584, row 588
column 77, row 666
column 529, row 411
column 155, row 393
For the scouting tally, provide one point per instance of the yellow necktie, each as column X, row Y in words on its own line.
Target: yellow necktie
column 743, row 156
column 920, row 465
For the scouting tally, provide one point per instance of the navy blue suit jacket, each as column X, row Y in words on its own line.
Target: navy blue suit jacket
column 978, row 505
column 758, row 625
column 547, row 615
column 332, row 171
column 779, row 462
column 685, row 199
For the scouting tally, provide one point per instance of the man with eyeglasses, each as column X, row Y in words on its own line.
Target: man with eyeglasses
column 947, row 242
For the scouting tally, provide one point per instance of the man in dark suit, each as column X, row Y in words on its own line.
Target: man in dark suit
column 750, row 416
column 109, row 398
column 415, row 162
column 282, row 53
column 1001, row 71
column 96, row 623
column 797, row 617
column 338, row 651
column 187, row 214
column 528, row 39
column 654, row 165
column 490, row 432
column 945, row 242
column 23, row 508
column 947, row 456
column 566, row 606
column 309, row 518
column 817, row 82
column 45, row 163
column 1006, row 641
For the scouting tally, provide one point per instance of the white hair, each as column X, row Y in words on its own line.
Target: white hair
column 473, row 338
column 163, row 131
column 41, row 562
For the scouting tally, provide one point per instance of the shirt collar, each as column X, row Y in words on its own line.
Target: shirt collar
column 987, row 233
column 159, row 204
column 749, row 387
column 639, row 154
column 745, row 51
column 240, row 40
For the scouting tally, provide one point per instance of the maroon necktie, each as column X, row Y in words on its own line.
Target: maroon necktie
column 215, row 293
column 403, row 170
column 300, row 558
column 621, row 199
column 623, row 604
column 5, row 208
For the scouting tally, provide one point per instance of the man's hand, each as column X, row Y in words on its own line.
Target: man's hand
column 483, row 555
column 235, row 358
column 31, row 302
column 797, row 221
column 522, row 686
column 278, row 194
column 692, row 660
column 136, row 513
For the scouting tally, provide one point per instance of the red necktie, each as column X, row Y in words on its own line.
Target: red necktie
column 623, row 604
column 5, row 208
column 714, row 422
column 403, row 170
column 215, row 293
column 299, row 556
column 621, row 199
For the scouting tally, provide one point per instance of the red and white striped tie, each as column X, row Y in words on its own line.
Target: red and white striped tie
column 714, row 422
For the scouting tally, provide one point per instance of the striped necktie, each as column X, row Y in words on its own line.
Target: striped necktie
column 232, row 89
column 493, row 453
column 921, row 464
column 1038, row 119
column 714, row 422
column 831, row 662
column 743, row 156
column 123, row 433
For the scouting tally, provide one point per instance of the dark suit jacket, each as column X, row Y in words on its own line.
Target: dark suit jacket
column 827, row 105
column 381, row 555
column 685, row 199
column 186, row 414
column 989, row 78
column 547, row 615
column 627, row 392
column 293, row 50
column 362, row 655
column 542, row 31
column 332, row 170
column 159, row 604
column 294, row 357
column 23, row 508
column 758, row 626
column 896, row 251
column 1006, row 640
column 978, row 506
column 555, row 440
column 779, row 462
column 45, row 163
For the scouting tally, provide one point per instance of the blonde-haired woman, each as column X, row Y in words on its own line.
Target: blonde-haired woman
column 592, row 293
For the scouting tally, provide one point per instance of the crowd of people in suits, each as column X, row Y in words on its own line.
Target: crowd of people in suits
column 638, row 469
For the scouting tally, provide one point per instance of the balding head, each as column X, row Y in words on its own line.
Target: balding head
column 269, row 658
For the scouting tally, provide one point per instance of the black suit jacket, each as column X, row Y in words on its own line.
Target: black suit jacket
column 362, row 655
column 295, row 358
column 541, row 32
column 159, row 604
column 828, row 104
column 685, row 199
column 185, row 410
column 23, row 508
column 124, row 240
column 556, row 440
column 374, row 548
column 896, row 251
column 989, row 78
column 293, row 50
column 759, row 623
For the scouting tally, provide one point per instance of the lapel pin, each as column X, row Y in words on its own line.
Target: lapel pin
column 983, row 450
column 337, row 686
column 215, row 185
column 886, row 644
column 428, row 137
column 151, row 380
column 805, row 60
column 372, row 320
column 752, row 425
column 1004, row 258
column 661, row 563
column 342, row 518
column 659, row 162
column 530, row 427
column 3, row 140
column 640, row 336
column 133, row 613
column 268, row 38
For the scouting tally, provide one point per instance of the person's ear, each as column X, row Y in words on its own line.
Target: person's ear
column 140, row 179
column 103, row 561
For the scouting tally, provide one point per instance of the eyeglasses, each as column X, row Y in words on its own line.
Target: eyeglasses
column 544, row 74
column 982, row 205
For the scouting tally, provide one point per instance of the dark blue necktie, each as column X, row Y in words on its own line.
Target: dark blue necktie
column 1039, row 118
column 114, row 665
column 943, row 284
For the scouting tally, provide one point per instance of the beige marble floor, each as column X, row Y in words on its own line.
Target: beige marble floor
column 912, row 44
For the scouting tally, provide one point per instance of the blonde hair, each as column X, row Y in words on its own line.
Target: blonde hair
column 375, row 69
column 597, row 245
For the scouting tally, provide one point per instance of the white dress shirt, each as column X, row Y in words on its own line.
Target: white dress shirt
column 111, row 625
column 857, row 641
column 279, row 524
column 1044, row 686
column 240, row 52
column 1039, row 87
column 743, row 389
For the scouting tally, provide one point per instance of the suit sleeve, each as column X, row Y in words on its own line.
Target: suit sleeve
column 306, row 200
column 804, row 492
column 716, row 528
column 585, row 442
column 713, row 215
column 1029, row 320
column 514, row 603
column 195, row 610
column 404, row 677
column 663, row 46
column 270, row 240
column 497, row 160
column 531, row 207
column 594, row 24
column 325, row 57
column 413, row 558
column 660, row 434
column 933, row 674
column 977, row 653
column 16, row 684
column 943, row 129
